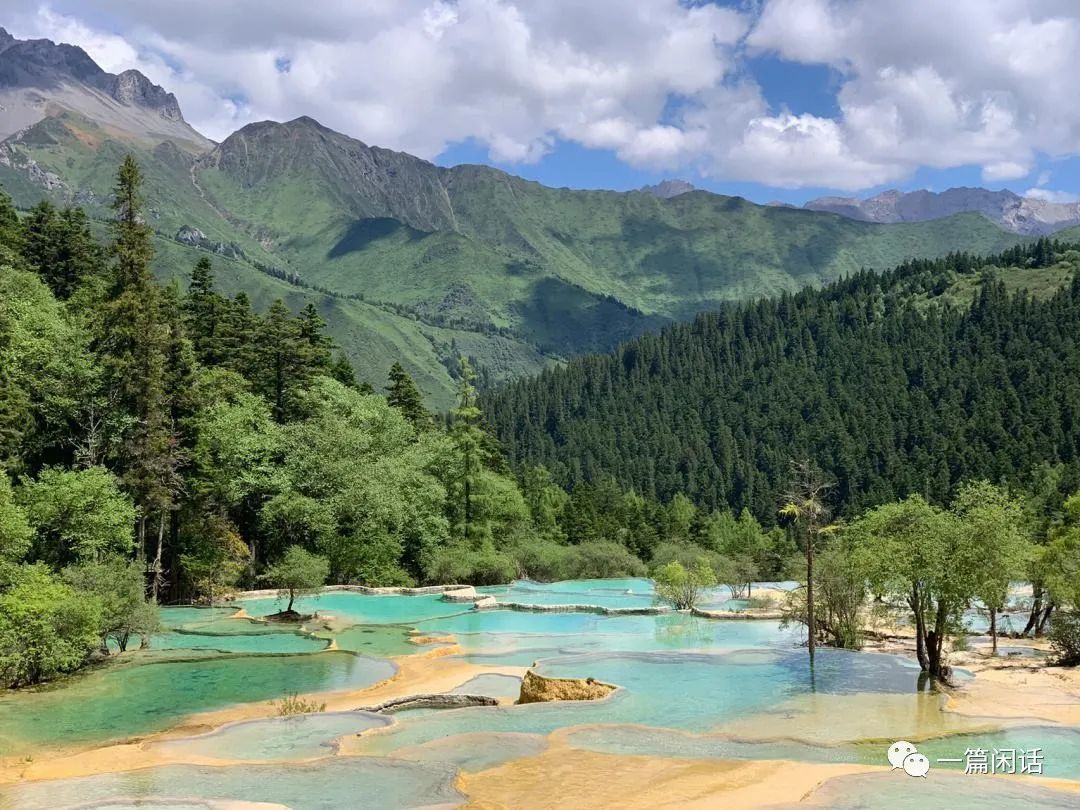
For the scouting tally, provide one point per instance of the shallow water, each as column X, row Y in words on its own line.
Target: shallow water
column 125, row 700
column 897, row 791
column 690, row 688
column 330, row 783
column 361, row 608
column 297, row 737
column 496, row 686
column 687, row 691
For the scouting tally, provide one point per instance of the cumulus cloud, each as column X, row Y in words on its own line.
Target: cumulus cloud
column 661, row 83
column 969, row 82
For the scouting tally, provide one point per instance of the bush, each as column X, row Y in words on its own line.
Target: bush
column 685, row 554
column 46, row 627
column 292, row 705
column 1065, row 638
column 682, row 586
column 602, row 559
column 455, row 564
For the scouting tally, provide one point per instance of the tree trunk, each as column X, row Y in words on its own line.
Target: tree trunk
column 1036, row 609
column 1044, row 620
column 993, row 631
column 292, row 596
column 920, row 629
column 156, row 584
column 810, row 624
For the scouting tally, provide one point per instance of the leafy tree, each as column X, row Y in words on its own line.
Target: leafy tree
column 297, row 573
column 840, row 594
column 45, row 372
column 919, row 554
column 547, row 502
column 118, row 586
column 46, row 627
column 1061, row 563
column 77, row 515
column 15, row 532
column 403, row 394
column 292, row 519
column 681, row 586
column 215, row 556
column 996, row 523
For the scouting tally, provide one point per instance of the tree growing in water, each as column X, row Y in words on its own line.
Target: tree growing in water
column 682, row 585
column 917, row 553
column 297, row 573
column 806, row 506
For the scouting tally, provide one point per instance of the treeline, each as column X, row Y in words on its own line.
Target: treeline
column 878, row 378
column 162, row 446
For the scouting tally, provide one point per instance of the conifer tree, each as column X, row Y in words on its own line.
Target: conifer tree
column 468, row 439
column 403, row 394
column 132, row 347
column 282, row 360
column 203, row 311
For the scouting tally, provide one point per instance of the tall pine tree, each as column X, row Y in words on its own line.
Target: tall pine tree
column 403, row 394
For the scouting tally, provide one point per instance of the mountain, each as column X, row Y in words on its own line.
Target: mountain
column 907, row 381
column 414, row 262
column 666, row 189
column 38, row 78
column 1022, row 215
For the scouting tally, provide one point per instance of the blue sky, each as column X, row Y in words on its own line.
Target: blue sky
column 767, row 99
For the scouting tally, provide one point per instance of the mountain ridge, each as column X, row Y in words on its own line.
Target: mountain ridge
column 1022, row 215
column 37, row 75
column 415, row 262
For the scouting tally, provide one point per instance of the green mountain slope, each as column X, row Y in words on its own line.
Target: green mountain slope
column 410, row 258
column 896, row 383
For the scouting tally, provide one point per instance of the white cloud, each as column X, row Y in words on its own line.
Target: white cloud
column 1049, row 195
column 661, row 83
column 982, row 82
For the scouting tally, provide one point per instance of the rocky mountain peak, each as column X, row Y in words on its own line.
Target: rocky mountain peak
column 666, row 189
column 6, row 39
column 131, row 88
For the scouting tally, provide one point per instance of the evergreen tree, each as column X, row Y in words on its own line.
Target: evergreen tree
column 283, row 353
column 468, row 439
column 132, row 347
column 403, row 394
column 204, row 310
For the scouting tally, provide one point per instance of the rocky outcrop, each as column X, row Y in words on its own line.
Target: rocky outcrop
column 430, row 701
column 666, row 189
column 486, row 602
column 466, row 593
column 538, row 689
column 196, row 238
column 133, row 89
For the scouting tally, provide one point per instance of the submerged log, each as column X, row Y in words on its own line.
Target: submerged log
column 429, row 701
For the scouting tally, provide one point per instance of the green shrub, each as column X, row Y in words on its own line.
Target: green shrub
column 46, row 627
column 1065, row 637
column 681, row 586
